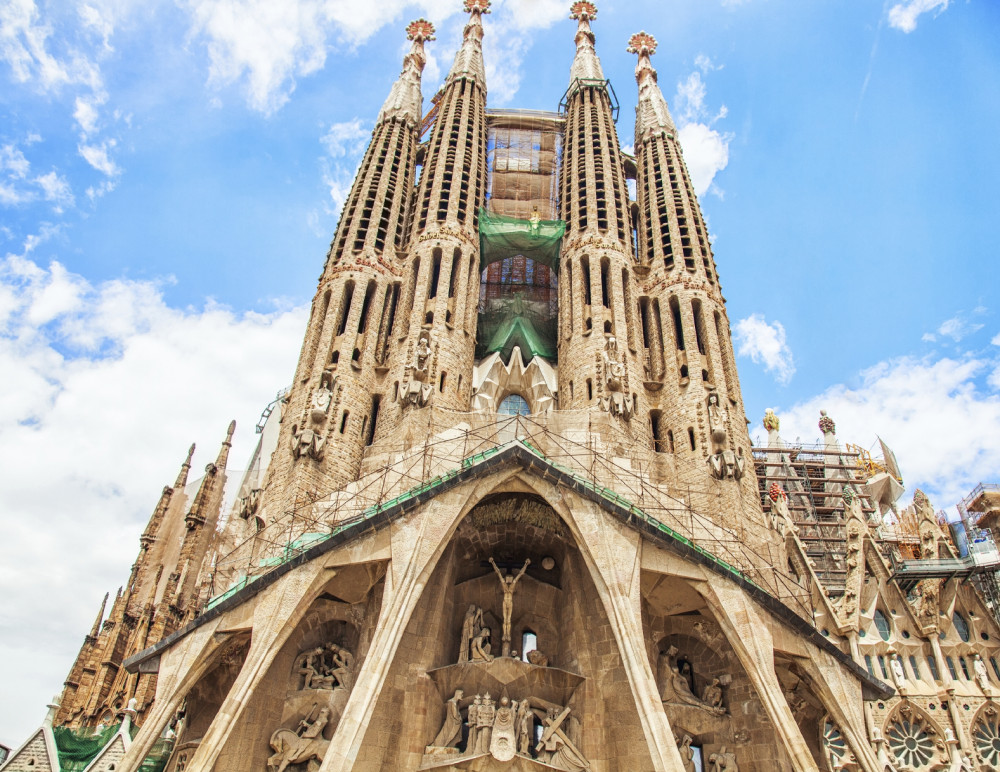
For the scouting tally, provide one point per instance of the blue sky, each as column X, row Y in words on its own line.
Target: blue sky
column 171, row 175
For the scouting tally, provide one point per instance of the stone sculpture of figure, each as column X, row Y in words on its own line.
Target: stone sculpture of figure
column 321, row 400
column 683, row 694
column 535, row 220
column 473, row 721
column 617, row 402
column 712, row 694
column 302, row 745
column 308, row 669
column 507, row 585
column 898, row 674
column 503, row 742
column 451, row 731
column 250, row 503
column 538, row 657
column 723, row 761
column 982, row 676
column 927, row 600
column 341, row 665
column 555, row 748
column 525, row 721
column 422, row 358
column 470, row 626
column 687, row 753
column 484, row 724
column 481, row 647
column 716, row 422
column 416, row 390
column 306, row 442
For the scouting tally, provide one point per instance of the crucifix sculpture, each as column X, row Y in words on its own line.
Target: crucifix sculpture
column 507, row 584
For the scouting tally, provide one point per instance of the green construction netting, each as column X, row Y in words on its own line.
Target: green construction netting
column 77, row 749
column 158, row 756
column 516, row 321
column 501, row 237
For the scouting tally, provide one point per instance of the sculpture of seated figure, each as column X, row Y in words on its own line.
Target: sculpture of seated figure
column 481, row 646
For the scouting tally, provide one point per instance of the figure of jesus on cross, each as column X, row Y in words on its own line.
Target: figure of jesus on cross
column 507, row 584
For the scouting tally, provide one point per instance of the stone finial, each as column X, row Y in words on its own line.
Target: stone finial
column 776, row 492
column 826, row 424
column 420, row 30
column 583, row 10
column 642, row 43
column 771, row 421
column 480, row 6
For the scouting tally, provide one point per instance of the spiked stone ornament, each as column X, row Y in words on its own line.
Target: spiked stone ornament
column 483, row 6
column 420, row 31
column 583, row 11
column 642, row 43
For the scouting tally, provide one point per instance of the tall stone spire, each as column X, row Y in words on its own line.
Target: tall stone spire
column 432, row 361
column 697, row 410
column 405, row 101
column 469, row 59
column 334, row 402
column 586, row 65
column 651, row 112
column 598, row 363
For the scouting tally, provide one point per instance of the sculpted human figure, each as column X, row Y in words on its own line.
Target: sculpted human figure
column 716, row 422
column 898, row 674
column 982, row 675
column 687, row 753
column 481, row 646
column 307, row 668
column 507, row 585
column 525, row 727
column 473, row 722
column 723, row 761
column 487, row 712
column 306, row 442
column 451, row 731
column 321, row 399
column 298, row 747
column 473, row 620
column 503, row 742
column 712, row 694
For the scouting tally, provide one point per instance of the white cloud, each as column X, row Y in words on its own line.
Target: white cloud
column 958, row 327
column 56, row 189
column 17, row 187
column 89, row 371
column 25, row 46
column 996, row 340
column 765, row 344
column 97, row 156
column 903, row 16
column 346, row 138
column 86, row 113
column 706, row 149
column 929, row 411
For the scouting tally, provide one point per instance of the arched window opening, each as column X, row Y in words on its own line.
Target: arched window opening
column 691, row 438
column 882, row 625
column 345, row 307
column 514, row 404
column 432, row 289
column 343, row 421
column 961, row 626
column 529, row 642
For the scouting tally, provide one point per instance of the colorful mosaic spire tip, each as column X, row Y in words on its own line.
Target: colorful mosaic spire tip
column 642, row 43
column 583, row 10
column 420, row 30
column 483, row 6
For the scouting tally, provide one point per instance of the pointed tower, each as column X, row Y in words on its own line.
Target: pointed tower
column 433, row 360
column 598, row 362
column 335, row 400
column 698, row 413
column 201, row 521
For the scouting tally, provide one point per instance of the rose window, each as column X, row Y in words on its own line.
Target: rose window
column 986, row 736
column 910, row 742
column 834, row 745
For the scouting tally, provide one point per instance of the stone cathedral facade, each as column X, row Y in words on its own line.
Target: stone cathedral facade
column 508, row 515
